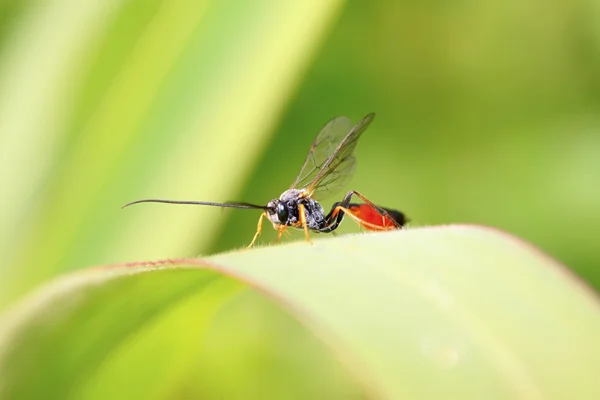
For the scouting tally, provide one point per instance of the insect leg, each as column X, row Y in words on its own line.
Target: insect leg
column 258, row 230
column 334, row 218
column 280, row 232
column 302, row 212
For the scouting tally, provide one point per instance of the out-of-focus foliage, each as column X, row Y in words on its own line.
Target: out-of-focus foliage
column 488, row 112
column 386, row 306
column 104, row 102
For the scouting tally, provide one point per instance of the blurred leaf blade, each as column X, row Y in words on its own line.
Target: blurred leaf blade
column 183, row 95
column 473, row 310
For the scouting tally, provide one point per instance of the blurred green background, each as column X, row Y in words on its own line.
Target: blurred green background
column 487, row 113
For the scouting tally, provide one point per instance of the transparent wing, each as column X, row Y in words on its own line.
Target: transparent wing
column 321, row 149
column 330, row 162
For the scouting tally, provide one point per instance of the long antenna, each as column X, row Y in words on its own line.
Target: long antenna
column 200, row 203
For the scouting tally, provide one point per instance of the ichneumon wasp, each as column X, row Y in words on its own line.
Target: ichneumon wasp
column 329, row 165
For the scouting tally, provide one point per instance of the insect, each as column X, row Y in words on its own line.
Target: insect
column 329, row 165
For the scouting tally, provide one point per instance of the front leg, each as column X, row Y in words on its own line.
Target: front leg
column 258, row 230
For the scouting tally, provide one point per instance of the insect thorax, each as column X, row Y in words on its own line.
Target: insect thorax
column 290, row 200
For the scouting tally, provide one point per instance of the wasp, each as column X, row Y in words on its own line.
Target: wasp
column 329, row 165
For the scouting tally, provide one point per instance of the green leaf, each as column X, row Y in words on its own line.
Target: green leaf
column 449, row 312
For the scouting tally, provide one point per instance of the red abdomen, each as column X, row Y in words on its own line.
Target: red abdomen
column 375, row 220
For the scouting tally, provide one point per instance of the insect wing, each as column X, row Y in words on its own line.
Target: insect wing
column 337, row 170
column 321, row 149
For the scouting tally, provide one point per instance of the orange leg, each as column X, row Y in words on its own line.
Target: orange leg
column 280, row 231
column 302, row 213
column 258, row 230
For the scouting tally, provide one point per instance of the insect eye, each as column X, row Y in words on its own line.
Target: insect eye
column 282, row 213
